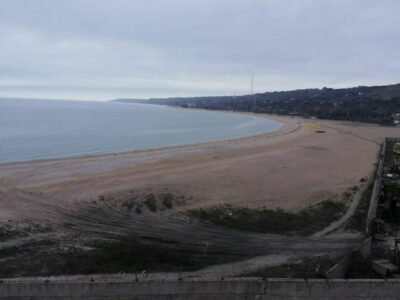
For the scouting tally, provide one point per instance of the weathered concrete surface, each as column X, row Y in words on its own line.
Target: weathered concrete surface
column 341, row 269
column 250, row 288
column 332, row 289
column 384, row 267
column 373, row 204
column 232, row 289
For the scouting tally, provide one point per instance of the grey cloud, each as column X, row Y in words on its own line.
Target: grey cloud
column 104, row 49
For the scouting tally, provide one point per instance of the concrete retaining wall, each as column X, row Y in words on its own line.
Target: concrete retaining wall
column 246, row 289
column 188, row 289
column 332, row 289
column 341, row 269
column 376, row 191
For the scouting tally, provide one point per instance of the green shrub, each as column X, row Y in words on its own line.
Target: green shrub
column 304, row 222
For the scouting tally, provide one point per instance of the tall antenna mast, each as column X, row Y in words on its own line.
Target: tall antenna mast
column 252, row 82
column 251, row 91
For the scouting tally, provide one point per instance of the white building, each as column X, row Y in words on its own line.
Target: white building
column 396, row 119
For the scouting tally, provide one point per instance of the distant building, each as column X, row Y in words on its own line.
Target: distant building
column 396, row 119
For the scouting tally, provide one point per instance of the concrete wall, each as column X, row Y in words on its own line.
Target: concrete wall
column 376, row 191
column 246, row 289
column 341, row 269
column 192, row 289
column 332, row 289
column 365, row 248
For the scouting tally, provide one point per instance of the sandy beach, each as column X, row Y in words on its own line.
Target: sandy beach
column 288, row 168
column 60, row 210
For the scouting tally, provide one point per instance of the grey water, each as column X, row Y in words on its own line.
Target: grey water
column 41, row 129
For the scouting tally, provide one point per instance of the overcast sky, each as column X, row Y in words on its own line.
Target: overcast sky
column 105, row 49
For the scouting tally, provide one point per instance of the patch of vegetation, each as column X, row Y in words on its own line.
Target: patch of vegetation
column 127, row 255
column 151, row 202
column 17, row 229
column 358, row 219
column 5, row 252
column 140, row 202
column 310, row 267
column 304, row 222
column 168, row 200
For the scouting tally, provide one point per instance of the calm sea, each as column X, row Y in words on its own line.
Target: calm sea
column 38, row 129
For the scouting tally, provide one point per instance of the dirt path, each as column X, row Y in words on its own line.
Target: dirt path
column 358, row 195
column 350, row 211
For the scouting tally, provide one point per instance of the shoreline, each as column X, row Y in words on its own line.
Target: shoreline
column 275, row 118
column 291, row 167
column 282, row 119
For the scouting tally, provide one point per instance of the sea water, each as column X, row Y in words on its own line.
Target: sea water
column 33, row 129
